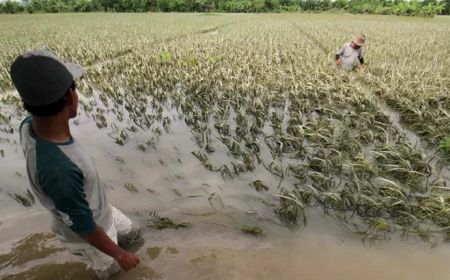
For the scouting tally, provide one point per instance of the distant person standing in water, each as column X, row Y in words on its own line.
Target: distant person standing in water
column 61, row 173
column 351, row 56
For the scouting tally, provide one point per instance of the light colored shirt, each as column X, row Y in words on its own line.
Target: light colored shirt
column 349, row 56
column 64, row 179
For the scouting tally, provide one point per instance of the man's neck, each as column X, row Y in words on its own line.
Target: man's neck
column 54, row 129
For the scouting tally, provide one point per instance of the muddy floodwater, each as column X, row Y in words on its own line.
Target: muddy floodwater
column 169, row 180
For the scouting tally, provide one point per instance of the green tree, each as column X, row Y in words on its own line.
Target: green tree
column 12, row 7
column 446, row 10
column 83, row 6
column 271, row 5
column 55, row 6
column 104, row 4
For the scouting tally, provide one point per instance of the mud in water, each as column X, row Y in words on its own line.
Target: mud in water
column 212, row 251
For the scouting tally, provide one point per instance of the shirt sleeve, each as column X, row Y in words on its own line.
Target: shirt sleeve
column 65, row 187
column 341, row 50
column 361, row 54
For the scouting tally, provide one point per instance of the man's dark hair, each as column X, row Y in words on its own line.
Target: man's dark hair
column 51, row 109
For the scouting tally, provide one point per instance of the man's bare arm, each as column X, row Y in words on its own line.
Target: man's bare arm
column 100, row 240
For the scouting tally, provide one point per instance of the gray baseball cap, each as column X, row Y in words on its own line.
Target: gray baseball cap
column 41, row 78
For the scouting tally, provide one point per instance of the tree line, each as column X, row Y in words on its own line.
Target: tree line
column 425, row 8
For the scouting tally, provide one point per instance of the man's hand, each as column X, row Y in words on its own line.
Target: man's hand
column 338, row 61
column 100, row 240
column 127, row 260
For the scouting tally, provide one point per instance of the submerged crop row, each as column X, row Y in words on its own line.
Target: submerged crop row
column 261, row 95
column 408, row 66
column 90, row 40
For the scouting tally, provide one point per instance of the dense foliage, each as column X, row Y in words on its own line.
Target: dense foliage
column 425, row 8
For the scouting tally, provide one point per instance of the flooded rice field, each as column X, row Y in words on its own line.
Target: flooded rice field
column 255, row 162
column 232, row 231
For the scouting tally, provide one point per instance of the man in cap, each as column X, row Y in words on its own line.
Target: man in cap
column 351, row 55
column 61, row 173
